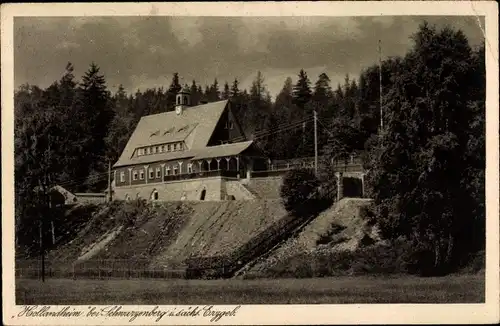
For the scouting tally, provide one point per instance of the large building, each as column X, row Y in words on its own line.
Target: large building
column 193, row 153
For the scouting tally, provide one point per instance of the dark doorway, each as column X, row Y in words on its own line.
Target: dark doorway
column 352, row 187
column 203, row 194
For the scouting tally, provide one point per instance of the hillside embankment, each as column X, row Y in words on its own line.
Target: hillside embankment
column 140, row 236
column 341, row 228
column 165, row 234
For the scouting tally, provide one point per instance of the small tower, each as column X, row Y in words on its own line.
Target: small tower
column 182, row 100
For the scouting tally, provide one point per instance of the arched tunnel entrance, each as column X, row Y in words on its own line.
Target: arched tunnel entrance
column 352, row 187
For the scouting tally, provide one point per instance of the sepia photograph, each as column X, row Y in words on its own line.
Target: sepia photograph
column 202, row 161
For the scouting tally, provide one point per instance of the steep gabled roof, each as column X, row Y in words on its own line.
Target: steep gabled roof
column 194, row 126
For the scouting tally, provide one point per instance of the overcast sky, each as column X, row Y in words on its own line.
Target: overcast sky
column 145, row 52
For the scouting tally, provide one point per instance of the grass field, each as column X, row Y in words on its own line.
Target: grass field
column 402, row 289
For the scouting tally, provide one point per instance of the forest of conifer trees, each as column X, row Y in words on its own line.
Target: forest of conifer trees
column 426, row 167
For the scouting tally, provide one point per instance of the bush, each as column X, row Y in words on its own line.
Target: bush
column 371, row 260
column 367, row 213
column 299, row 190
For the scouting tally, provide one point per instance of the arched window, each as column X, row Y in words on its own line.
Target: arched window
column 185, row 100
column 203, row 194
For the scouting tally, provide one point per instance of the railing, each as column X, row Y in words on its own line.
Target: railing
column 225, row 266
column 98, row 269
column 354, row 159
column 202, row 174
column 268, row 173
column 282, row 168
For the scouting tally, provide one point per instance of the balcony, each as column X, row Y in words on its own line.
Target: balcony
column 202, row 174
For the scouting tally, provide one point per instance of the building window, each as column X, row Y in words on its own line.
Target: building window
column 148, row 150
column 151, row 174
column 175, row 146
column 122, row 176
column 175, row 169
column 141, row 175
column 165, row 148
column 169, row 148
column 230, row 125
column 135, row 175
column 158, row 173
column 190, row 167
column 180, row 146
column 160, row 149
column 167, row 170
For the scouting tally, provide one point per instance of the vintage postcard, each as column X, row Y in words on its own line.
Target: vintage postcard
column 250, row 163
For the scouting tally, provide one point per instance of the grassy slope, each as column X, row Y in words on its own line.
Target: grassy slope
column 169, row 232
column 81, row 228
column 402, row 289
column 220, row 227
column 340, row 227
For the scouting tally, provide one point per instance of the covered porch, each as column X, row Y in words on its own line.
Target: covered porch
column 236, row 160
column 241, row 158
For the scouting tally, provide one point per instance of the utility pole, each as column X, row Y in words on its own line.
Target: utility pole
column 380, row 84
column 42, row 251
column 110, row 196
column 315, row 142
column 53, row 230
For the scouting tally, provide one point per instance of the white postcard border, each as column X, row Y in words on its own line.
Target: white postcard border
column 271, row 314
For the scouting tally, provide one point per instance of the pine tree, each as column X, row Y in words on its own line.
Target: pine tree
column 94, row 98
column 284, row 99
column 235, row 91
column 206, row 94
column 259, row 103
column 322, row 90
column 174, row 88
column 258, row 88
column 213, row 92
column 226, row 94
column 302, row 90
column 67, row 88
column 120, row 100
column 195, row 94
column 284, row 111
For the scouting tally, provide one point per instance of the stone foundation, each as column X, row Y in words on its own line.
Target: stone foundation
column 175, row 190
